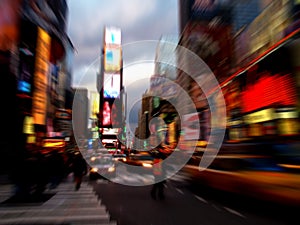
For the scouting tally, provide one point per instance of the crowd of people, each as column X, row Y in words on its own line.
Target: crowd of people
column 38, row 171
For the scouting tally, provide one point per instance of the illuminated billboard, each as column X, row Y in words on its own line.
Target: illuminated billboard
column 26, row 70
column 111, row 85
column 112, row 36
column 94, row 104
column 112, row 113
column 191, row 126
column 39, row 102
column 268, row 91
column 112, row 59
column 111, row 99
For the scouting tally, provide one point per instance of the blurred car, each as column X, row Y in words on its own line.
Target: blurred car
column 110, row 145
column 143, row 159
column 119, row 157
column 102, row 166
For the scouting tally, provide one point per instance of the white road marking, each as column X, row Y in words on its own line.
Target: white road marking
column 180, row 191
column 217, row 208
column 200, row 199
column 234, row 212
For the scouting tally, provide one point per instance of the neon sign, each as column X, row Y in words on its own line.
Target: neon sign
column 276, row 90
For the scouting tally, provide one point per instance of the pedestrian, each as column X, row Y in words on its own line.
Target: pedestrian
column 159, row 179
column 57, row 168
column 79, row 169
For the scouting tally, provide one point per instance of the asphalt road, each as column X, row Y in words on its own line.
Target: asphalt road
column 187, row 203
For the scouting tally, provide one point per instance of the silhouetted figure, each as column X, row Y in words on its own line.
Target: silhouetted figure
column 159, row 179
column 57, row 169
column 79, row 169
column 32, row 177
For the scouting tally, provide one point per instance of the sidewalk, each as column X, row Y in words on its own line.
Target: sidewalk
column 65, row 207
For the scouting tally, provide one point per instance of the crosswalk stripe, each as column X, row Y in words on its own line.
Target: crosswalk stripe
column 200, row 199
column 65, row 206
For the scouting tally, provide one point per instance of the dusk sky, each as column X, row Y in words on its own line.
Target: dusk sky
column 138, row 20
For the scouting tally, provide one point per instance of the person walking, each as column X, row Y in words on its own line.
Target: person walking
column 56, row 168
column 159, row 179
column 79, row 169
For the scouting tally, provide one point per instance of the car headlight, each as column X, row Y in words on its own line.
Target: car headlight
column 147, row 165
column 111, row 169
column 124, row 160
column 94, row 170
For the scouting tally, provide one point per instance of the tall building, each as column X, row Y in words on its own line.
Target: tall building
column 33, row 44
column 163, row 91
column 80, row 112
column 264, row 61
column 110, row 80
column 205, row 52
column 165, row 57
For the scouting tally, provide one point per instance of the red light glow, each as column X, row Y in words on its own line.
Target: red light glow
column 276, row 90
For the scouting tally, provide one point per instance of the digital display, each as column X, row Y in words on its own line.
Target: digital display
column 111, row 87
column 39, row 101
column 111, row 113
column 156, row 102
column 94, row 104
column 26, row 67
column 113, row 35
column 24, row 86
column 112, row 59
column 191, row 126
column 270, row 90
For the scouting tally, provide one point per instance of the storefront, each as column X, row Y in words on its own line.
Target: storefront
column 262, row 100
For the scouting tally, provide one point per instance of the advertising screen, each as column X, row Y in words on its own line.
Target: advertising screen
column 112, row 113
column 39, row 102
column 111, row 85
column 112, row 59
column 112, row 36
column 268, row 91
column 94, row 104
column 191, row 126
column 26, row 68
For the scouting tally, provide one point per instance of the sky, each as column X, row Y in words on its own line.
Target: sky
column 139, row 21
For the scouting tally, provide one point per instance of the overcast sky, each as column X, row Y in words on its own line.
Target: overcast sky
column 139, row 20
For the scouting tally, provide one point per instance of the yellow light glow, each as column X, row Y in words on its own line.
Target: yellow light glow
column 148, row 165
column 290, row 166
column 260, row 116
column 95, row 170
column 39, row 103
column 54, row 144
column 111, row 169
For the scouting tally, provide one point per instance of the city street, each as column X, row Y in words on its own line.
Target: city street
column 173, row 112
column 187, row 202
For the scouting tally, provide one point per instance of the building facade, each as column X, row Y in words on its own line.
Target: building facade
column 33, row 46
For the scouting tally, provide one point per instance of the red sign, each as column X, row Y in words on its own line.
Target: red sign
column 272, row 90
